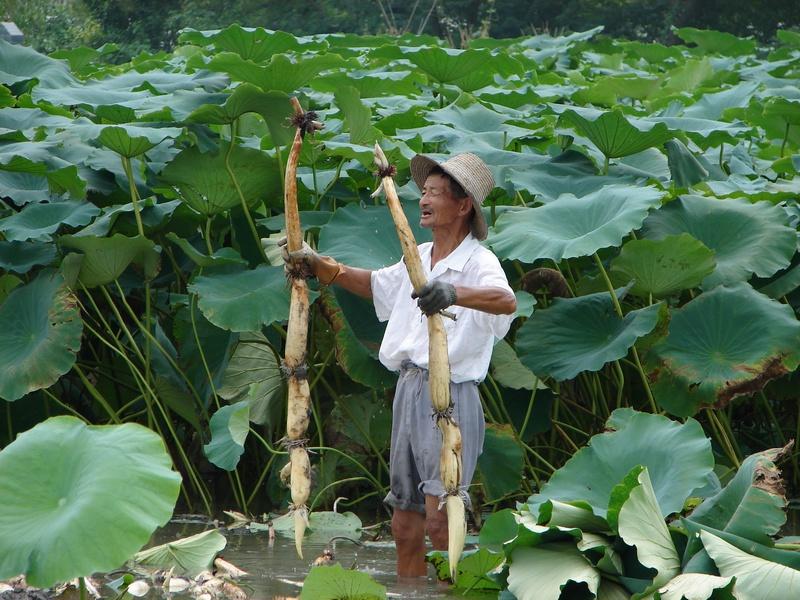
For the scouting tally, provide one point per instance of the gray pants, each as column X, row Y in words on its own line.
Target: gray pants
column 417, row 441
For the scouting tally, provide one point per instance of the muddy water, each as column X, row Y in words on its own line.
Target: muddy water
column 275, row 570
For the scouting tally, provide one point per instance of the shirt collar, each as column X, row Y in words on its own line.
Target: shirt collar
column 457, row 259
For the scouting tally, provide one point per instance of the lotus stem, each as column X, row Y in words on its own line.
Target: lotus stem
column 618, row 309
column 236, row 185
column 438, row 372
column 785, row 139
column 294, row 361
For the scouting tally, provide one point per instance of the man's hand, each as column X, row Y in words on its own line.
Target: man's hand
column 434, row 296
column 324, row 268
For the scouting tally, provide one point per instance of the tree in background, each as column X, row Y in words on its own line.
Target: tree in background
column 148, row 25
column 49, row 25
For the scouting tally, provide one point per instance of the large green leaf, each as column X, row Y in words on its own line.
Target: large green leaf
column 501, row 463
column 130, row 141
column 106, row 258
column 716, row 41
column 253, row 375
column 68, row 487
column 663, row 267
column 39, row 221
column 570, row 227
column 725, row 343
column 640, row 524
column 580, row 334
column 204, row 183
column 613, row 134
column 695, row 586
column 469, row 69
column 357, row 116
column 40, row 334
column 752, row 505
column 678, row 458
column 186, row 556
column 21, row 63
column 257, row 44
column 357, row 334
column 21, row 257
column 746, row 238
column 243, row 300
column 229, row 428
column 756, row 578
column 542, row 571
column 366, row 237
column 23, row 188
column 336, row 583
column 509, row 371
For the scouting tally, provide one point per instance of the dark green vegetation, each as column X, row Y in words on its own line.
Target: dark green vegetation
column 150, row 25
column 645, row 210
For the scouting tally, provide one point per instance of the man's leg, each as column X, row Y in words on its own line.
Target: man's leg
column 408, row 529
column 436, row 522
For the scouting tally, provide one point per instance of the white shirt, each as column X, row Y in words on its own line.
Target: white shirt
column 469, row 339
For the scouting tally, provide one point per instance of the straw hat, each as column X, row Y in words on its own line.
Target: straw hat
column 470, row 172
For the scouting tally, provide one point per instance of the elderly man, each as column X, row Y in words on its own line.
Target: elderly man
column 462, row 275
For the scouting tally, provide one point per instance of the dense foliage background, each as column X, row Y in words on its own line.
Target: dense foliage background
column 148, row 25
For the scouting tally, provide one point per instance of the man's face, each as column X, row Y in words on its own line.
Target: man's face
column 438, row 207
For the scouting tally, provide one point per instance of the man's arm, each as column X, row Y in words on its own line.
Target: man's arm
column 492, row 300
column 353, row 279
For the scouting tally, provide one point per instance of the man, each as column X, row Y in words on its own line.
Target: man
column 465, row 278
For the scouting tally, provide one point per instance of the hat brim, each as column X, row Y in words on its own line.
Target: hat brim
column 421, row 167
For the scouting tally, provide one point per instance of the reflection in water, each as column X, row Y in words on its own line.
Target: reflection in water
column 275, row 570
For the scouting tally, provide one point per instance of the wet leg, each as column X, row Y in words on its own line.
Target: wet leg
column 408, row 530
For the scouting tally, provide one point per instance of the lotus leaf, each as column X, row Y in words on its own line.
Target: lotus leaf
column 571, row 227
column 366, row 237
column 663, row 267
column 706, row 361
column 64, row 497
column 23, row 188
column 677, row 455
column 756, row 578
column 131, row 141
column 500, row 465
column 469, row 69
column 7, row 283
column 38, row 221
column 695, row 586
column 281, row 74
column 509, row 371
column 21, row 257
column 336, row 583
column 613, row 134
column 20, row 63
column 498, row 528
column 223, row 256
column 542, row 571
column 106, row 258
column 684, row 167
column 576, row 514
column 580, row 334
column 40, row 335
column 640, row 524
column 243, row 300
column 357, row 335
column 783, row 285
column 187, row 556
column 746, row 238
column 253, row 375
column 256, row 44
column 229, row 428
column 205, row 185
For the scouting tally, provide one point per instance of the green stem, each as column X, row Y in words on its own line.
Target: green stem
column 126, row 166
column 721, row 150
column 236, row 185
column 207, row 236
column 369, row 475
column 261, row 478
column 618, row 309
column 94, row 393
column 785, row 139
column 330, row 185
column 528, row 413
column 82, row 587
column 200, row 350
column 330, row 485
column 605, row 166
column 163, row 351
column 66, row 407
column 723, row 437
column 620, row 382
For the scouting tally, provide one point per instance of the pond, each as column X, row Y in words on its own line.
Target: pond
column 274, row 570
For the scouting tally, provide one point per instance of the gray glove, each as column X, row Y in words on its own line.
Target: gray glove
column 434, row 296
column 324, row 268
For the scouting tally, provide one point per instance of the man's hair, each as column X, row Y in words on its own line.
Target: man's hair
column 455, row 187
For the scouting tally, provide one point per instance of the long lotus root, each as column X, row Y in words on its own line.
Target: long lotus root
column 439, row 372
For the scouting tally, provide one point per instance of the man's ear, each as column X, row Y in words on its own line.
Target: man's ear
column 466, row 205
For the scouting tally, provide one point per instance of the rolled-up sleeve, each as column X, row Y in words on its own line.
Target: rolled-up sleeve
column 385, row 284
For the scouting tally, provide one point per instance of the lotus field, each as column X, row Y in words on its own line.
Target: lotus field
column 645, row 210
